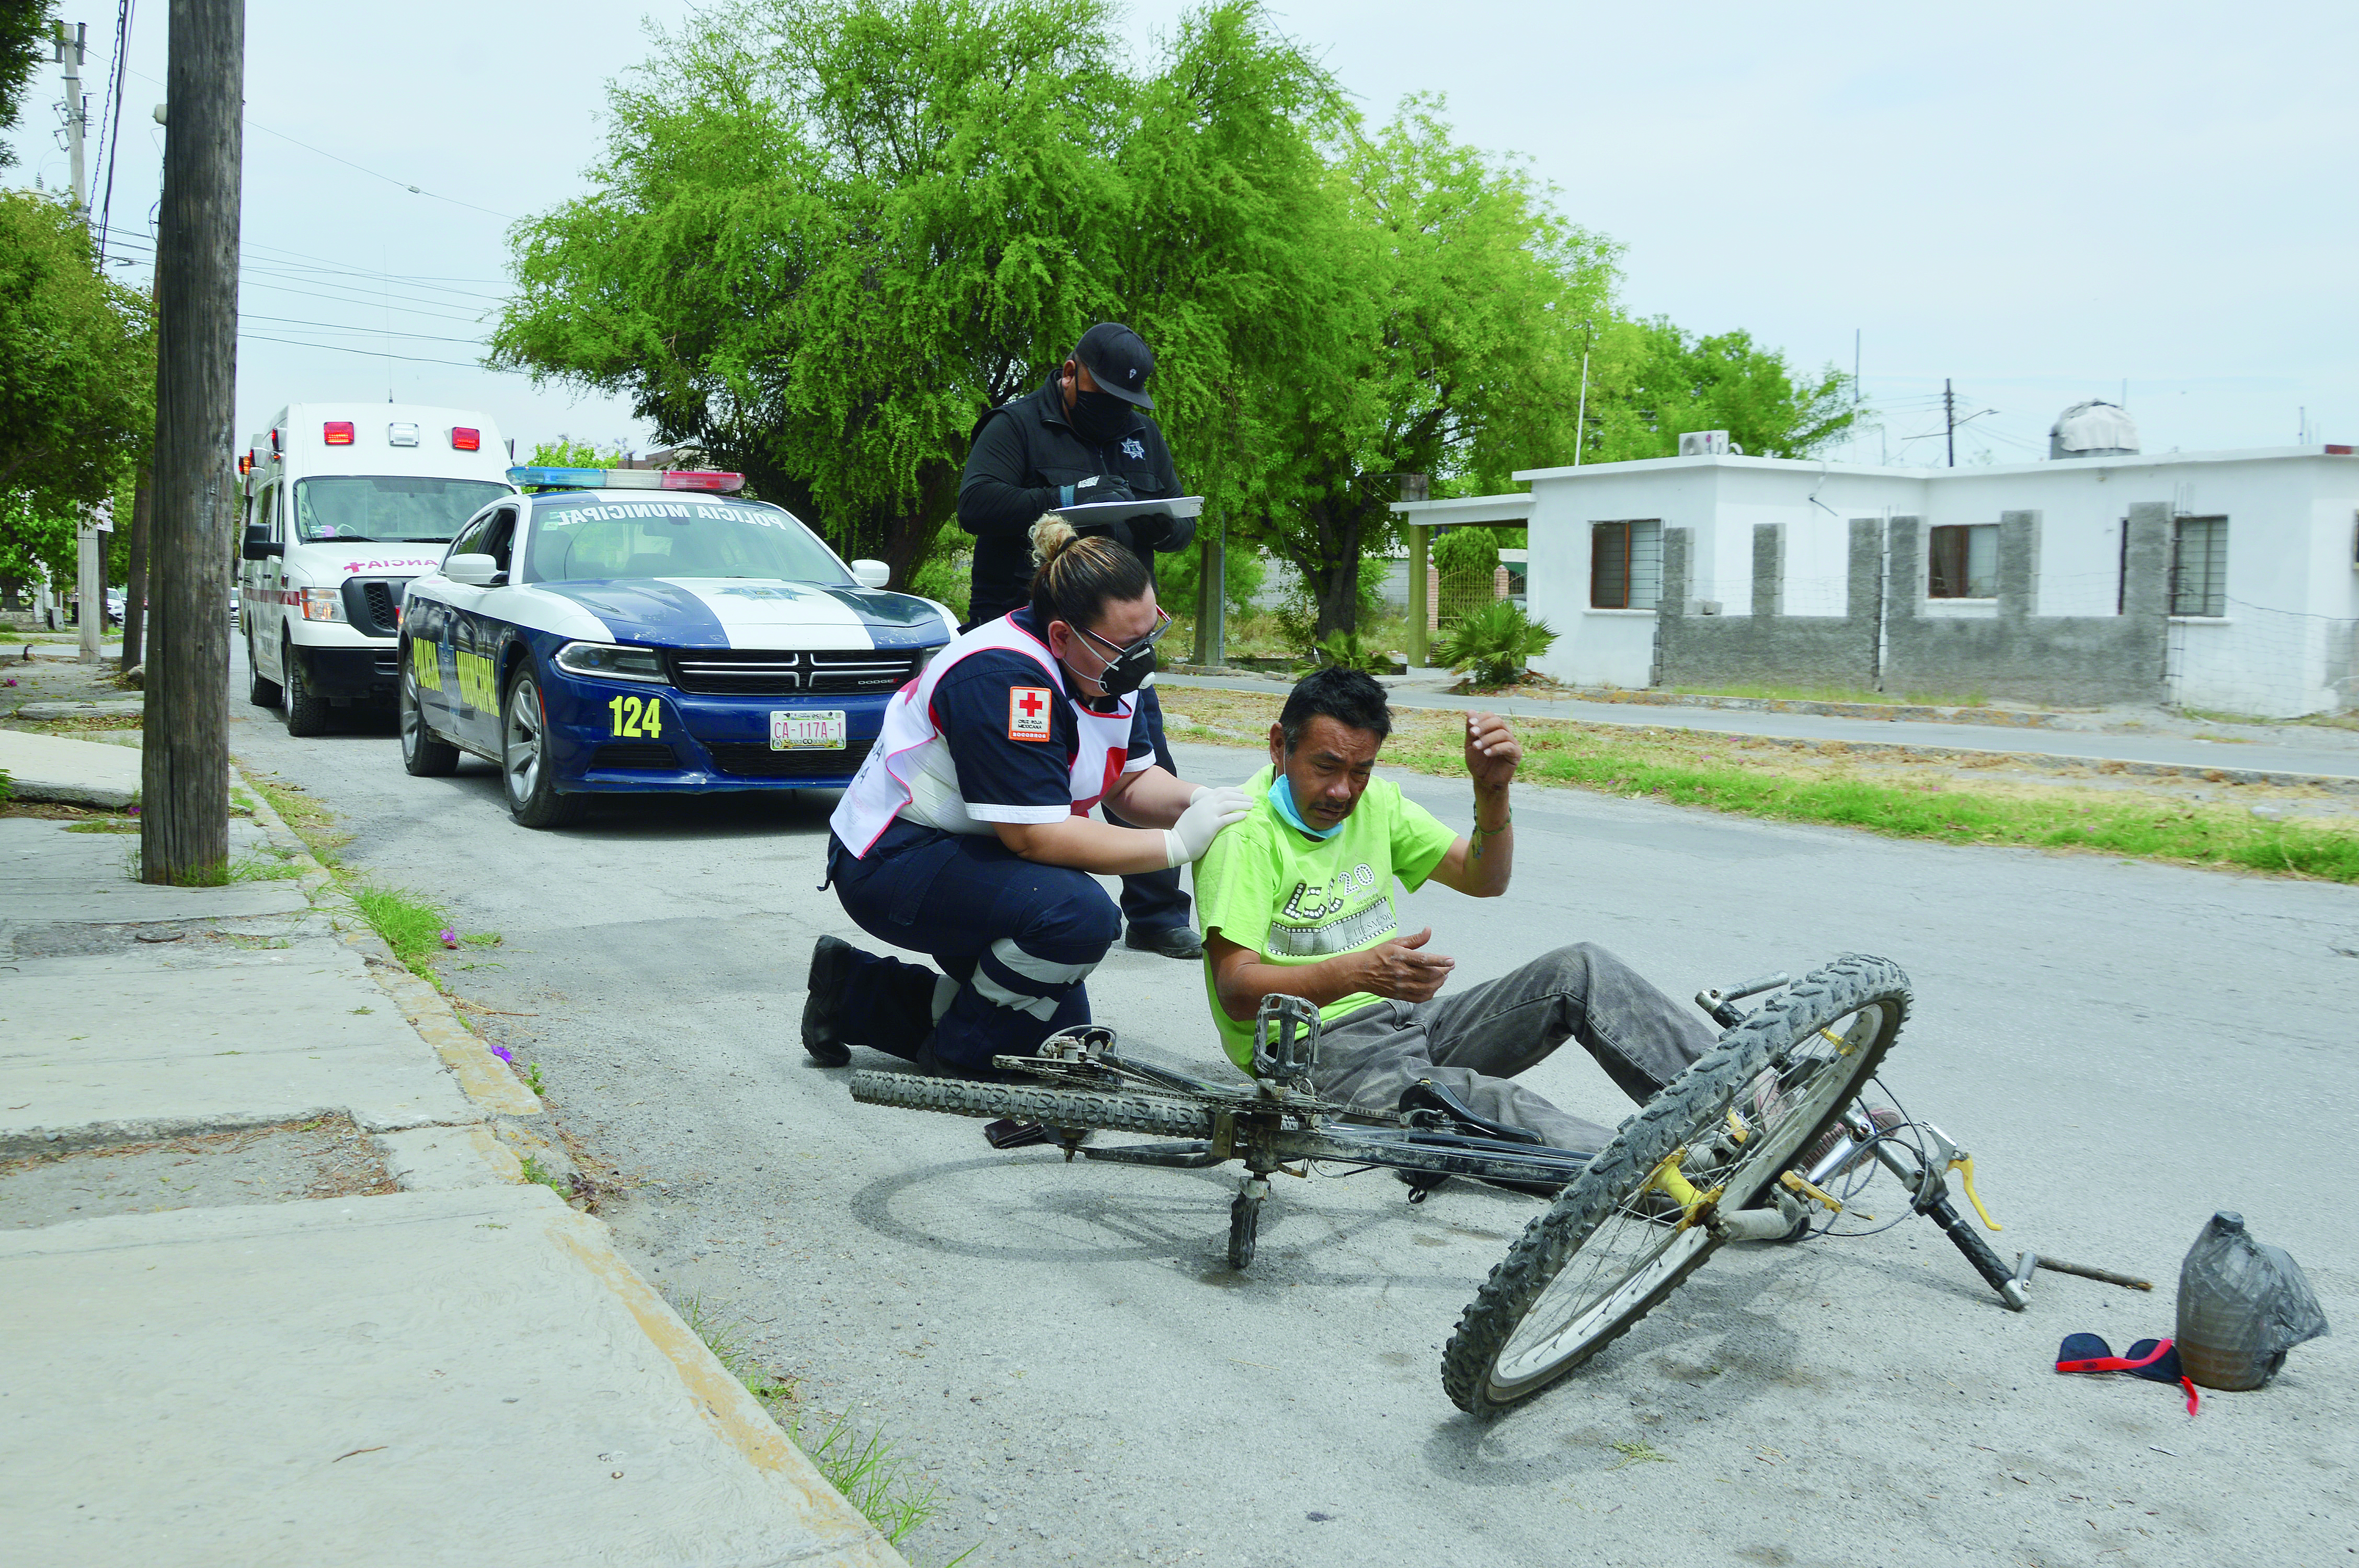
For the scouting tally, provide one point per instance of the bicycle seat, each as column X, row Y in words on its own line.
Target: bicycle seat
column 1427, row 1096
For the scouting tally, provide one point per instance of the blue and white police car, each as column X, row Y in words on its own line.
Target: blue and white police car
column 646, row 632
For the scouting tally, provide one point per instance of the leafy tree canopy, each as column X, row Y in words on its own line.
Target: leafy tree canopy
column 24, row 27
column 77, row 378
column 827, row 235
column 1653, row 383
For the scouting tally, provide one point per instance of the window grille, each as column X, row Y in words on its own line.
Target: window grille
column 2198, row 566
column 1625, row 564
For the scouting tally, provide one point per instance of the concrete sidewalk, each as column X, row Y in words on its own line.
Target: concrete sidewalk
column 80, row 773
column 425, row 1361
column 2321, row 762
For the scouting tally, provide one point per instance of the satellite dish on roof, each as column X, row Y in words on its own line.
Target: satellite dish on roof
column 2093, row 429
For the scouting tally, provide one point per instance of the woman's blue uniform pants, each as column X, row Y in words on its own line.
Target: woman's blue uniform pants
column 1015, row 942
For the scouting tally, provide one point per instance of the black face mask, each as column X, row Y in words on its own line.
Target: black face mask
column 1099, row 417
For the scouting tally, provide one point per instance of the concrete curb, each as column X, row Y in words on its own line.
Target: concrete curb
column 428, row 1159
column 1920, row 713
column 59, row 768
column 484, row 1078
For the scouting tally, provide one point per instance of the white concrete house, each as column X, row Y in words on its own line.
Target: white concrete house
column 2246, row 561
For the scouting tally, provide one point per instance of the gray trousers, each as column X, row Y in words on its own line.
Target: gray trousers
column 1473, row 1042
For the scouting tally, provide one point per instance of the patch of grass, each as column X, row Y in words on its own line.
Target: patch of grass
column 482, row 939
column 534, row 1171
column 868, row 1469
column 532, row 1079
column 310, row 820
column 410, row 926
column 105, row 825
column 1757, row 777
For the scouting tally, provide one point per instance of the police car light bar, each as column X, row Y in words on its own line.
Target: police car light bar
column 624, row 479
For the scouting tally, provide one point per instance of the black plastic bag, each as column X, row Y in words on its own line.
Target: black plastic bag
column 2242, row 1306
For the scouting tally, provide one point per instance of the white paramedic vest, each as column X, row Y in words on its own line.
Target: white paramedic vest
column 910, row 776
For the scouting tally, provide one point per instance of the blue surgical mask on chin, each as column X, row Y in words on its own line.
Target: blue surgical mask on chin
column 1281, row 796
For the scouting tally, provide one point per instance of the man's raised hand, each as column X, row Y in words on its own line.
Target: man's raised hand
column 1398, row 970
column 1492, row 750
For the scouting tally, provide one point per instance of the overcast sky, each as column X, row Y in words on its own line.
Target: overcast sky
column 2043, row 202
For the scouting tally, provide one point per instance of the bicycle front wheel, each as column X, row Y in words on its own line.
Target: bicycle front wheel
column 1638, row 1221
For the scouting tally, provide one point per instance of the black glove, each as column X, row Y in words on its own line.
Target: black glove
column 1098, row 486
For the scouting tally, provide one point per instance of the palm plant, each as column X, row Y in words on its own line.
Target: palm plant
column 1493, row 642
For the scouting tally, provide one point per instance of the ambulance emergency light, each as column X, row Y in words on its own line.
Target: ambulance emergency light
column 624, row 479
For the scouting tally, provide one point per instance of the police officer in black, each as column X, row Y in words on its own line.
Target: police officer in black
column 1084, row 436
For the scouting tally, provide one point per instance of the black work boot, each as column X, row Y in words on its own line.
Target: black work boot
column 831, row 968
column 1171, row 941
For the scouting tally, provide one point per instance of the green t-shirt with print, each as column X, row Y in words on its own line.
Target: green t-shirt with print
column 1295, row 900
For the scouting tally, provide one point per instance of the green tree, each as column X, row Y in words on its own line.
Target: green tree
column 1652, row 382
column 24, row 27
column 77, row 380
column 1456, row 293
column 565, row 452
column 828, row 235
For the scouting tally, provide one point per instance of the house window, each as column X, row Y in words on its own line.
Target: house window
column 2198, row 566
column 1964, row 562
column 1625, row 564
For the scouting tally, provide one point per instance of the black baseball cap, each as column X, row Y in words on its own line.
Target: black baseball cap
column 1118, row 360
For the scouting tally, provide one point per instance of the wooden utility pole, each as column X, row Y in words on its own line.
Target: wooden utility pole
column 184, row 770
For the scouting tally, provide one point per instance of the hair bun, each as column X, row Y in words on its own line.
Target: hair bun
column 1051, row 535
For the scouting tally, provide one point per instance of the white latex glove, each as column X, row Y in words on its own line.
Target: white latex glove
column 1208, row 811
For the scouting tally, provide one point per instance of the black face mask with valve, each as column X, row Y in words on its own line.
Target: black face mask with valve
column 1099, row 419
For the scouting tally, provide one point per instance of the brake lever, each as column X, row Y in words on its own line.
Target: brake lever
column 1952, row 1158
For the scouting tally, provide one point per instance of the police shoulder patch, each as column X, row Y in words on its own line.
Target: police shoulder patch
column 1028, row 713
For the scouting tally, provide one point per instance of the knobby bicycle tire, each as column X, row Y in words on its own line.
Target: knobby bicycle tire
column 1058, row 1107
column 1550, row 1241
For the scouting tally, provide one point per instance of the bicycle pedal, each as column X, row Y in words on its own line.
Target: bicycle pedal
column 1420, row 1184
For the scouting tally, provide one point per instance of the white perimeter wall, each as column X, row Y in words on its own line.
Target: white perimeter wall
column 2287, row 638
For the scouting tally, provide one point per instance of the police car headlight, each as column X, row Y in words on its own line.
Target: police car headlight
column 612, row 661
column 926, row 656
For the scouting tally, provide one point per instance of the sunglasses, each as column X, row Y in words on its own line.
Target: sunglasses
column 1162, row 625
column 2157, row 1360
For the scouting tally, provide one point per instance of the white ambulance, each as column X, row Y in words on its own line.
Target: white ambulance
column 345, row 503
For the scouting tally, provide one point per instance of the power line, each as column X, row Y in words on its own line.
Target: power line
column 378, row 354
column 364, row 332
column 372, row 174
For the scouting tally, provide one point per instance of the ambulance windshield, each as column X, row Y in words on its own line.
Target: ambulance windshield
column 387, row 508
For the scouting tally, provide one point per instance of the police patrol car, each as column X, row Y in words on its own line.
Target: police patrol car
column 644, row 632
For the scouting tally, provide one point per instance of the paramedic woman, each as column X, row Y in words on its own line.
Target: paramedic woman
column 966, row 834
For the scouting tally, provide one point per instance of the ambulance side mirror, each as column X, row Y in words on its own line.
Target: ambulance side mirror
column 259, row 545
column 871, row 574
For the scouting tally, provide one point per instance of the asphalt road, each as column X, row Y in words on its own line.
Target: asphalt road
column 1063, row 1353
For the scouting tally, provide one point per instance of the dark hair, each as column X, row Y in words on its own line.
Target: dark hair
column 1351, row 697
column 1077, row 577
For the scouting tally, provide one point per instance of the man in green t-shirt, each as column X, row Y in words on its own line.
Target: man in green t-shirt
column 1296, row 899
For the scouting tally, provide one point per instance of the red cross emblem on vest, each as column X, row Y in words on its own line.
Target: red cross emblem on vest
column 1028, row 713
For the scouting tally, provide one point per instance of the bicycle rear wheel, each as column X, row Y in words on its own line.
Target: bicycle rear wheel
column 1614, row 1243
column 1057, row 1108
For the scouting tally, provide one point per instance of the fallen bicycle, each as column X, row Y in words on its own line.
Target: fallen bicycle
column 1761, row 1138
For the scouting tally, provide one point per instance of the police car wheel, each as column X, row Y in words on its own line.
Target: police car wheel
column 527, row 771
column 306, row 710
column 424, row 756
column 259, row 692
